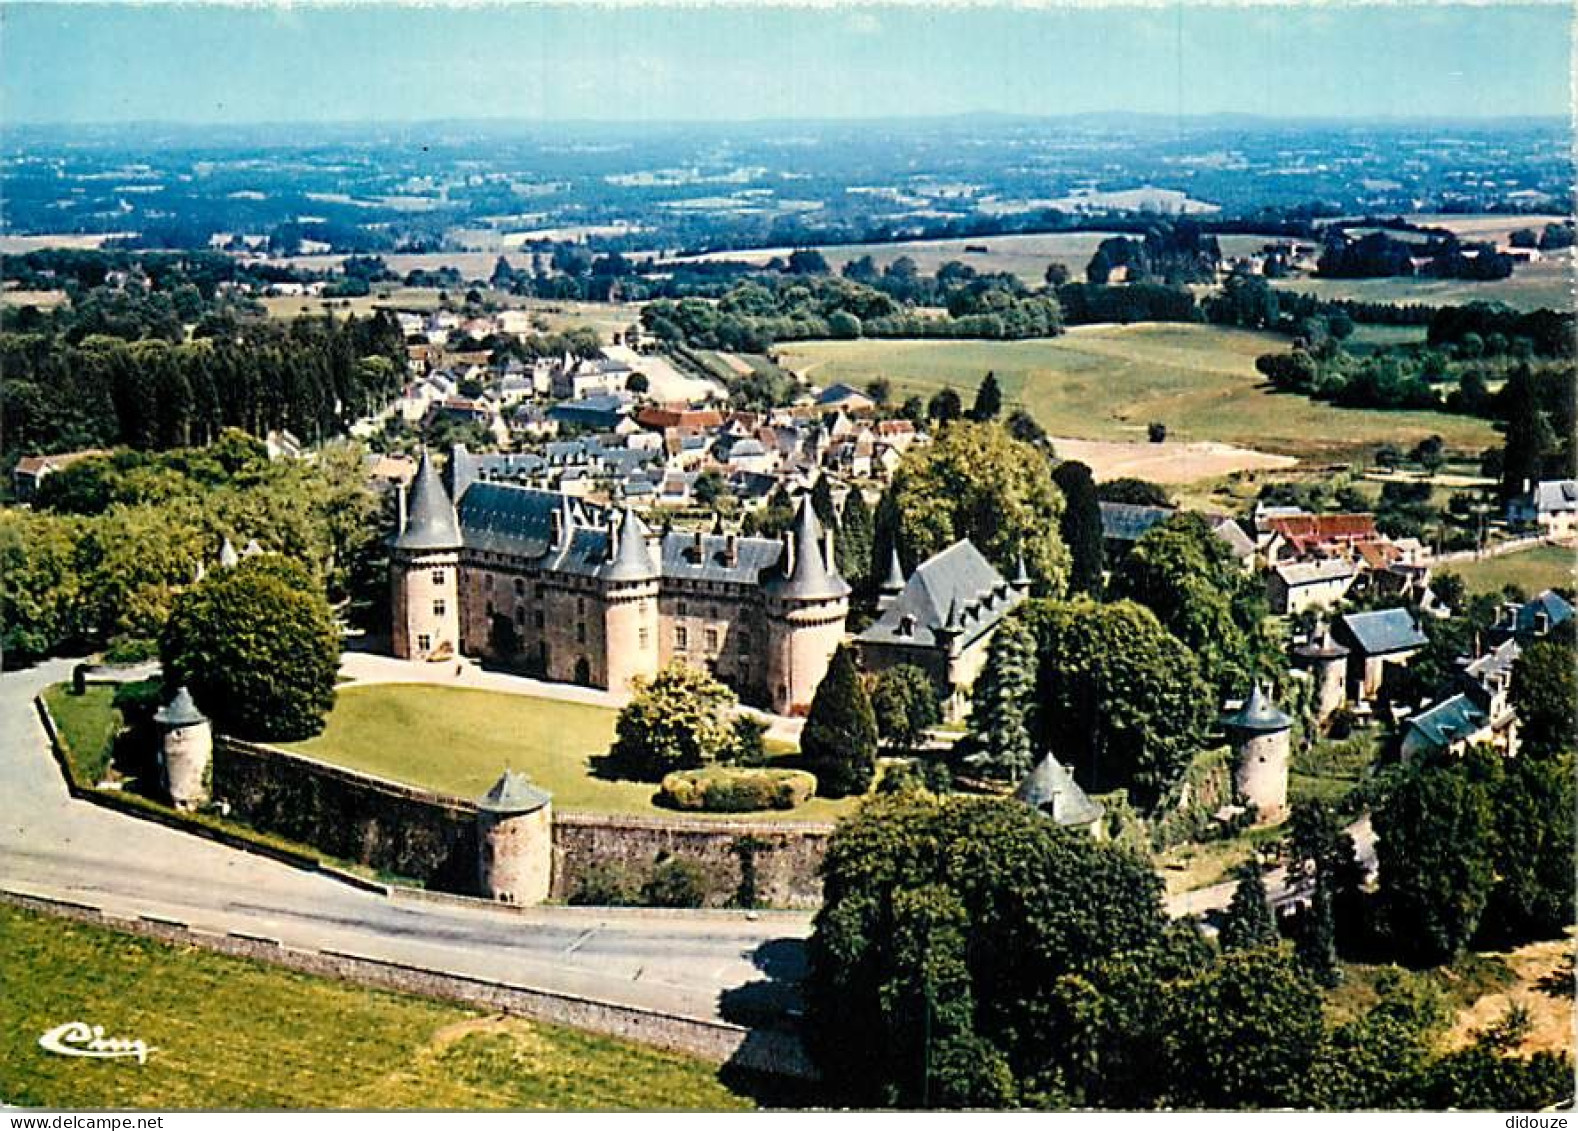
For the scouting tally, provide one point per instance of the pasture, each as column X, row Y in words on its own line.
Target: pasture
column 1533, row 571
column 1108, row 382
column 1547, row 284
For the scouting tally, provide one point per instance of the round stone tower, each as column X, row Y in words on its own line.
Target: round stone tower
column 629, row 582
column 515, row 841
column 186, row 750
column 807, row 603
column 424, row 567
column 1327, row 662
column 1260, row 735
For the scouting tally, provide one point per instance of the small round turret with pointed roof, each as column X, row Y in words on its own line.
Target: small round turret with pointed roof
column 515, row 840
column 1260, row 734
column 186, row 750
column 430, row 516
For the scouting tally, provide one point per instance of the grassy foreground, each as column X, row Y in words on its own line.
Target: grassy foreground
column 231, row 1033
column 1533, row 571
column 1108, row 382
column 458, row 741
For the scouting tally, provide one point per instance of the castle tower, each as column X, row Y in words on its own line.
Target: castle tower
column 629, row 582
column 515, row 841
column 807, row 603
column 1327, row 662
column 893, row 584
column 186, row 750
column 424, row 569
column 1259, row 734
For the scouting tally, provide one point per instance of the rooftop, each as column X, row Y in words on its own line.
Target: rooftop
column 1382, row 631
column 957, row 586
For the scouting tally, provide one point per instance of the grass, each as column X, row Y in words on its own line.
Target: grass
column 1109, row 382
column 1547, row 284
column 1330, row 770
column 1202, row 864
column 1534, row 571
column 88, row 723
column 232, row 1033
column 458, row 741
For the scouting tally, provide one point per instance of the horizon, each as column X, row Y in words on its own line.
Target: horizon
column 217, row 66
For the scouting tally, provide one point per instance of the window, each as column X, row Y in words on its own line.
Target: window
column 580, row 606
column 490, row 608
column 438, row 577
column 580, row 634
column 520, row 587
column 681, row 638
column 536, row 618
column 487, row 581
column 520, row 616
column 424, row 642
column 712, row 640
column 438, row 608
column 643, row 638
column 681, row 609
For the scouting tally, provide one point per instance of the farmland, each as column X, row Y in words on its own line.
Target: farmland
column 1109, row 382
column 1533, row 571
column 1533, row 286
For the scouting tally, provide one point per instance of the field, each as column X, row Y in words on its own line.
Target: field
column 1108, row 382
column 230, row 1033
column 1533, row 286
column 458, row 742
column 1533, row 571
column 607, row 318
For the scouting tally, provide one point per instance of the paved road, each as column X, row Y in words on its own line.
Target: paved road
column 1278, row 890
column 53, row 846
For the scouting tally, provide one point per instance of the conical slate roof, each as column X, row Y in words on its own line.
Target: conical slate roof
column 1051, row 789
column 811, row 578
column 894, row 582
column 1258, row 714
column 180, row 711
column 514, row 793
column 1322, row 646
column 430, row 517
column 632, row 560
column 227, row 554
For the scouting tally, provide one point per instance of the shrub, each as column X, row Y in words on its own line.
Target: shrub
column 605, row 885
column 722, row 789
column 675, row 882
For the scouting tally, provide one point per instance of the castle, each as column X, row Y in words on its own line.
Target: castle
column 587, row 594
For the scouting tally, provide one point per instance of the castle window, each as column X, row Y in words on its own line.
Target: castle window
column 537, row 618
column 520, row 588
column 580, row 606
column 643, row 638
column 490, row 608
column 682, row 637
column 438, row 577
column 580, row 634
column 424, row 642
column 712, row 640
column 438, row 608
column 681, row 608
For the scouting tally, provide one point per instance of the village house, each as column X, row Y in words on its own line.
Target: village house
column 1376, row 640
column 30, row 471
column 1551, row 505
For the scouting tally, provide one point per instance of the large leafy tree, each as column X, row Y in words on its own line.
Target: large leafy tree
column 1081, row 527
column 1248, row 923
column 943, row 921
column 999, row 743
column 852, row 547
column 679, row 719
column 839, row 742
column 258, row 648
column 988, row 400
column 1117, row 695
column 978, row 482
column 1545, row 694
column 1533, row 845
column 904, row 700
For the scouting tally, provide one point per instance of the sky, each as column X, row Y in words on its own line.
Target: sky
column 305, row 62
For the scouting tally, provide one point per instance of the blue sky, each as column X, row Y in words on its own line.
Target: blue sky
column 309, row 63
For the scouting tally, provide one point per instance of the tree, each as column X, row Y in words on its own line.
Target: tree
column 904, row 701
column 839, row 742
column 1432, row 831
column 852, row 547
column 1545, row 694
column 1081, row 527
column 977, row 482
column 1056, row 274
column 944, row 406
column 822, row 502
column 999, row 743
column 943, row 922
column 679, row 719
column 1135, row 491
column 258, row 648
column 710, row 486
column 1116, row 694
column 1322, row 852
column 1533, row 848
column 988, row 400
column 1248, row 923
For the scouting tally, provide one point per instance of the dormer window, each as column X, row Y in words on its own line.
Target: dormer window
column 906, row 625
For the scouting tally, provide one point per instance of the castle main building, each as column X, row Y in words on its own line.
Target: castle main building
column 586, row 594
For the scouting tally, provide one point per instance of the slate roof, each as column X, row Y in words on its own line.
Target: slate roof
column 1321, row 647
column 1051, row 789
column 1295, row 574
column 1128, row 522
column 514, row 793
column 811, row 577
column 1554, row 496
column 950, row 582
column 1383, row 631
column 180, row 711
column 632, row 560
column 430, row 518
column 753, row 558
column 1258, row 714
column 1556, row 608
column 840, row 394
column 1449, row 721
column 1229, row 531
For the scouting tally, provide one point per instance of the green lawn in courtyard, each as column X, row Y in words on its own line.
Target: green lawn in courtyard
column 231, row 1033
column 458, row 741
column 1109, row 382
column 88, row 724
column 1533, row 571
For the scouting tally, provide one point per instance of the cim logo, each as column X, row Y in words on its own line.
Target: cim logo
column 78, row 1038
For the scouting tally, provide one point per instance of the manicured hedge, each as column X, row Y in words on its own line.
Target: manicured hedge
column 731, row 789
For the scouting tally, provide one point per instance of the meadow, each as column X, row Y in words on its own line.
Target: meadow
column 1533, row 571
column 229, row 1033
column 1547, row 284
column 1109, row 382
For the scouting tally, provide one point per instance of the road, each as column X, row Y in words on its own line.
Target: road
column 54, row 846
column 1278, row 890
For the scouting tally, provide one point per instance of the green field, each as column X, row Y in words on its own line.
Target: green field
column 458, row 742
column 231, row 1033
column 1547, row 284
column 1108, row 382
column 1533, row 571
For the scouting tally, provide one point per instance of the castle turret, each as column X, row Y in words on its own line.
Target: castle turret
column 893, row 584
column 807, row 603
column 1327, row 662
column 1260, row 735
column 186, row 750
column 1021, row 581
column 629, row 581
column 515, row 841
column 424, row 567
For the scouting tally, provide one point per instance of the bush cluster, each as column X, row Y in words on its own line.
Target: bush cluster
column 727, row 789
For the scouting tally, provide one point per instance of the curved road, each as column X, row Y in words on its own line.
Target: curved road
column 53, row 846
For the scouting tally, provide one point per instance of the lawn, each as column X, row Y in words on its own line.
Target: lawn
column 1534, row 571
column 1547, row 284
column 1108, row 382
column 88, row 723
column 231, row 1033
column 458, row 741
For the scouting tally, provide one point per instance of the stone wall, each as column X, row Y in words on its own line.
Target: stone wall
column 382, row 825
column 785, row 858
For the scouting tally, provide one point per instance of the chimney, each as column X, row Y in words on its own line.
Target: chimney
column 788, row 555
column 697, row 547
column 401, row 489
column 556, row 526
column 731, row 551
column 828, row 558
